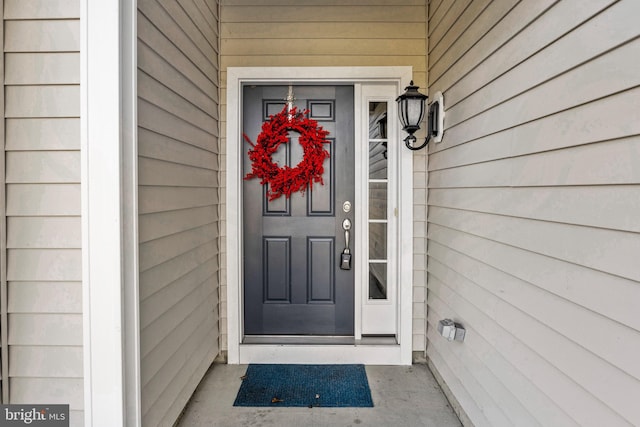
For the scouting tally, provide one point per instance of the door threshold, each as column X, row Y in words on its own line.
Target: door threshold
column 346, row 350
column 317, row 340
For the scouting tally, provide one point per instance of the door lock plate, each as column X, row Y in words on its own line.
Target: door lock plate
column 346, row 206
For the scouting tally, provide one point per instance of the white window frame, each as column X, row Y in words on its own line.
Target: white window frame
column 397, row 354
column 380, row 316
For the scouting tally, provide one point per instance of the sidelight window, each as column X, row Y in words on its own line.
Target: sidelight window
column 378, row 183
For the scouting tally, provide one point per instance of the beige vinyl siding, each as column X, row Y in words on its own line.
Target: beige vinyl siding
column 533, row 200
column 279, row 33
column 4, row 348
column 178, row 175
column 42, row 177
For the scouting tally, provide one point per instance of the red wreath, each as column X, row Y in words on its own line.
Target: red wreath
column 287, row 180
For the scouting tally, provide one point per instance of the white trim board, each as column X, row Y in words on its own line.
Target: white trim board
column 245, row 353
column 109, row 213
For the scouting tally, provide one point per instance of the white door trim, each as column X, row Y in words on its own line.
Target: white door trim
column 243, row 353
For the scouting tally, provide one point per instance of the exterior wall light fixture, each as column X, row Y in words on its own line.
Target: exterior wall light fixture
column 411, row 108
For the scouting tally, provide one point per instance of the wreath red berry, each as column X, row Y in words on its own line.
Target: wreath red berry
column 275, row 131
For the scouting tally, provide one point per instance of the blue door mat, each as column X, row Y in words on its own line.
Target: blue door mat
column 333, row 386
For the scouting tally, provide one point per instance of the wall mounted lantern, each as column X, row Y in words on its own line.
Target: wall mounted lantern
column 411, row 106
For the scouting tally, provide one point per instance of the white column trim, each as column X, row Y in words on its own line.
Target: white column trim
column 236, row 76
column 109, row 213
column 129, row 161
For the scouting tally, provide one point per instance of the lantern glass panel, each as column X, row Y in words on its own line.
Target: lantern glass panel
column 415, row 112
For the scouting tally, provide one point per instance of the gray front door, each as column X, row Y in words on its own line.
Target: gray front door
column 293, row 284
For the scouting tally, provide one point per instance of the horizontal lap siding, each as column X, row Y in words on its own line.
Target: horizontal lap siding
column 42, row 176
column 279, row 33
column 178, row 176
column 533, row 200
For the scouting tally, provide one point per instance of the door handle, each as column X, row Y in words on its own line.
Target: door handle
column 345, row 257
column 346, row 226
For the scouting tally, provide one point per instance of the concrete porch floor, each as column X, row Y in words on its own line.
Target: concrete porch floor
column 402, row 396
